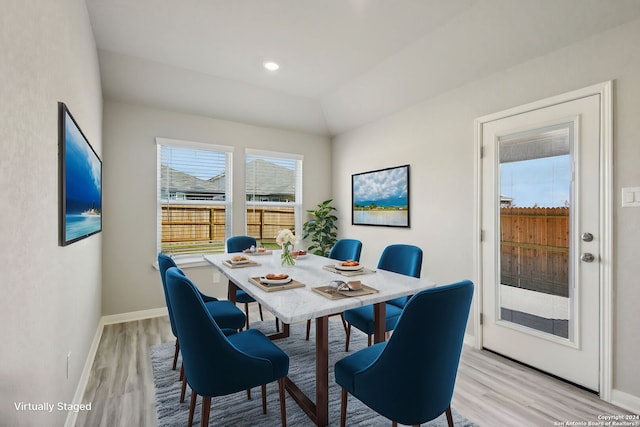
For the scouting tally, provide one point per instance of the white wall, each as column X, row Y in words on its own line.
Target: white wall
column 50, row 302
column 129, row 281
column 436, row 138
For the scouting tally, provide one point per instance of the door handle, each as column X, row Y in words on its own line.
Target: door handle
column 587, row 257
column 587, row 237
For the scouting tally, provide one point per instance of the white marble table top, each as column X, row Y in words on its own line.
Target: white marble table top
column 301, row 304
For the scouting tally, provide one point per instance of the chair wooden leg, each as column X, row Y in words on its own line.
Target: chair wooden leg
column 192, row 407
column 343, row 408
column 248, row 394
column 264, row 399
column 449, row 416
column 344, row 322
column 181, row 372
column 283, row 406
column 394, row 424
column 277, row 325
column 206, row 410
column 175, row 355
column 184, row 388
column 260, row 309
column 308, row 329
column 368, row 340
column 246, row 312
column 346, row 345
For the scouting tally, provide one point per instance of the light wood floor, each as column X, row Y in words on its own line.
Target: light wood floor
column 490, row 390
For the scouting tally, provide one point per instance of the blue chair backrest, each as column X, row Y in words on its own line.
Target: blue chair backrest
column 240, row 243
column 345, row 249
column 165, row 262
column 414, row 376
column 214, row 366
column 401, row 259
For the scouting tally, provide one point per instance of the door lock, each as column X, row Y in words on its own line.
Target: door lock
column 587, row 257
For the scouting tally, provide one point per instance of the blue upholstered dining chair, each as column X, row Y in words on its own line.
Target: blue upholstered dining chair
column 239, row 244
column 342, row 250
column 219, row 365
column 227, row 315
column 345, row 249
column 402, row 259
column 410, row 378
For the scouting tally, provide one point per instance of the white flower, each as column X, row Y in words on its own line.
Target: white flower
column 285, row 236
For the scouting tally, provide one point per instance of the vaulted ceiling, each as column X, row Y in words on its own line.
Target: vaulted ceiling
column 343, row 63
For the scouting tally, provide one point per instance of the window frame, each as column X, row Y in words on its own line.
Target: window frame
column 227, row 203
column 299, row 182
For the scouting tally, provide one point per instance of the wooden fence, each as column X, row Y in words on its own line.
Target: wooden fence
column 535, row 249
column 188, row 228
column 263, row 223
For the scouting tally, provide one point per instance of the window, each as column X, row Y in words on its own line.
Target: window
column 194, row 196
column 273, row 194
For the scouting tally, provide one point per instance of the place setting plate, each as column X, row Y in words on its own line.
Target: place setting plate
column 276, row 281
column 348, row 267
column 239, row 261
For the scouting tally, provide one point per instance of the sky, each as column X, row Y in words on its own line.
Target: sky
column 543, row 182
column 386, row 184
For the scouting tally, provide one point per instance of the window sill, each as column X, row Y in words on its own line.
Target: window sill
column 187, row 261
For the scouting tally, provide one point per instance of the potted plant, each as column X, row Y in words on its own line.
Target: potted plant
column 321, row 228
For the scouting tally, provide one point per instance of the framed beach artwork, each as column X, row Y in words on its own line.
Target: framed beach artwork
column 80, row 182
column 381, row 197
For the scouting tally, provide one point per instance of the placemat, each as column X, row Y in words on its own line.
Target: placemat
column 272, row 288
column 331, row 293
column 251, row 263
column 348, row 273
column 256, row 253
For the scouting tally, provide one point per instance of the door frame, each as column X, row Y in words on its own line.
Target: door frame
column 605, row 90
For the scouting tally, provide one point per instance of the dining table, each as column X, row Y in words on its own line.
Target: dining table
column 299, row 301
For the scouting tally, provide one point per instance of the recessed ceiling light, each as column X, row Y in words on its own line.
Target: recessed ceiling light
column 270, row 65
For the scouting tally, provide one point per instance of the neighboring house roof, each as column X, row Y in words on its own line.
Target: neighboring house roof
column 262, row 178
column 506, row 201
column 185, row 183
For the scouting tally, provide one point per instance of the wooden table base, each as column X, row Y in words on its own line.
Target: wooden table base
column 318, row 411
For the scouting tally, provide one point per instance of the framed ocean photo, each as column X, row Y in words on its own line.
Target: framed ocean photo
column 80, row 182
column 381, row 197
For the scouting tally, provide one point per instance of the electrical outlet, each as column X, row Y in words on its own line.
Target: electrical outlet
column 68, row 364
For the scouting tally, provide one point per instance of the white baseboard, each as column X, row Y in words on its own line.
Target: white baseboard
column 626, row 401
column 88, row 364
column 469, row 340
column 72, row 416
column 134, row 315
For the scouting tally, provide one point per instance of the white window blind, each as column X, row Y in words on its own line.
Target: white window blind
column 194, row 196
column 273, row 194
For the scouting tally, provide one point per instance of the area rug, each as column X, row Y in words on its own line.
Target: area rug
column 237, row 410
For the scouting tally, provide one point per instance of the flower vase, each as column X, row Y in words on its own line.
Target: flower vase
column 286, row 258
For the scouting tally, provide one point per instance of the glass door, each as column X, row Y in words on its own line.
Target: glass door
column 540, row 218
column 535, row 210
